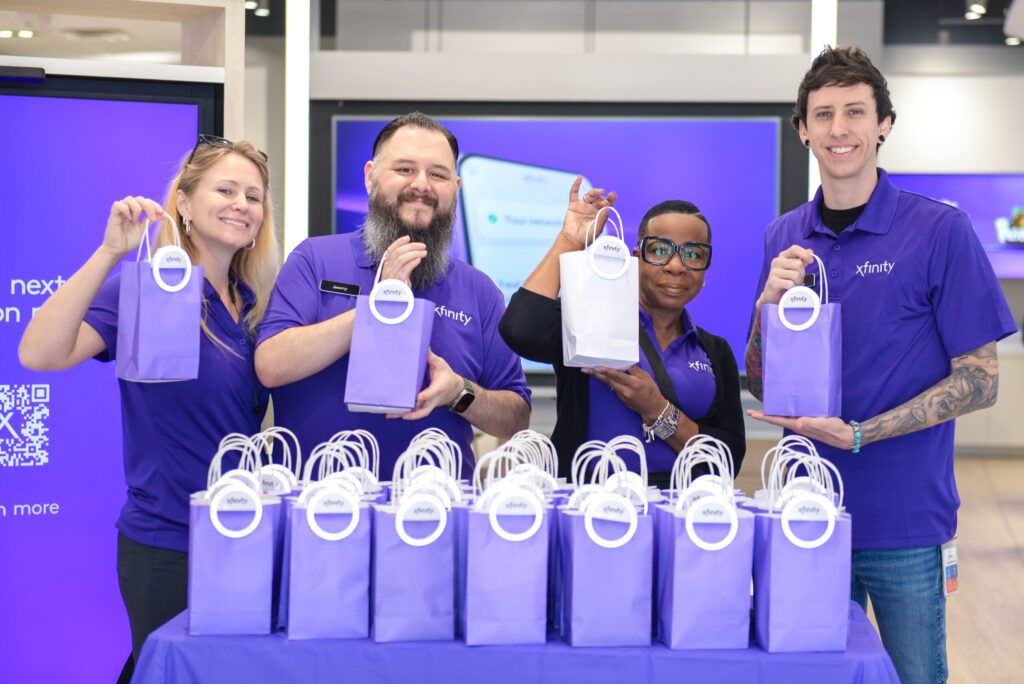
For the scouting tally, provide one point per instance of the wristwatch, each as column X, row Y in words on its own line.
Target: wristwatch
column 465, row 398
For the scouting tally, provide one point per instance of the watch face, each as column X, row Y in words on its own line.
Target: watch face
column 463, row 403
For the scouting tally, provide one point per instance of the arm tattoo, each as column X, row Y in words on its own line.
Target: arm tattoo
column 752, row 359
column 972, row 384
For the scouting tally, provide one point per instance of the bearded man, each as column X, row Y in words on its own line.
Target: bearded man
column 304, row 340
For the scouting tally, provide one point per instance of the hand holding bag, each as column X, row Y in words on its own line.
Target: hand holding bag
column 388, row 356
column 803, row 361
column 600, row 298
column 158, row 322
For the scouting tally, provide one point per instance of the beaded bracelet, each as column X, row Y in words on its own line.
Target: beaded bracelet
column 856, row 437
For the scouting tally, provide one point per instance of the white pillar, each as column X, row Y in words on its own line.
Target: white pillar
column 296, row 122
column 824, row 31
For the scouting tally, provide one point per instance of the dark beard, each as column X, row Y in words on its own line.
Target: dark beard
column 383, row 226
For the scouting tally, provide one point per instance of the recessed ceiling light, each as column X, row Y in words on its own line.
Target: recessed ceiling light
column 6, row 33
column 971, row 16
column 977, row 8
column 1012, row 40
column 251, row 4
column 25, row 33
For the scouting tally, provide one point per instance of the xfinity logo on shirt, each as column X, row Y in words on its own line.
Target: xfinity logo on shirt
column 460, row 316
column 701, row 366
column 868, row 268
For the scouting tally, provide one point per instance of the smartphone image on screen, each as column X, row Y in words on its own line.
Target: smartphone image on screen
column 511, row 213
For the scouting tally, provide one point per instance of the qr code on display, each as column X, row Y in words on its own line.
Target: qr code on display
column 24, row 437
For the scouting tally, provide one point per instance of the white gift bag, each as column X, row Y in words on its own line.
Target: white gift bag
column 600, row 302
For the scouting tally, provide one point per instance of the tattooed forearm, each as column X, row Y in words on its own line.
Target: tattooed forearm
column 752, row 358
column 972, row 384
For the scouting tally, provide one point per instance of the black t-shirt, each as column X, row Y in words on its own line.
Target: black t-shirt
column 838, row 220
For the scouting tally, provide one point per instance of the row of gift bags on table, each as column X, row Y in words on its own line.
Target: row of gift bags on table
column 324, row 549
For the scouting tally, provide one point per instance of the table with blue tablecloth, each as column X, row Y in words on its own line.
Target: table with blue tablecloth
column 171, row 655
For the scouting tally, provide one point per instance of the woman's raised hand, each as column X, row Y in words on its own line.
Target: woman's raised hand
column 125, row 226
column 583, row 210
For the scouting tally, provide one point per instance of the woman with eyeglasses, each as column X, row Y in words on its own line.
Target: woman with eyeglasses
column 220, row 204
column 686, row 382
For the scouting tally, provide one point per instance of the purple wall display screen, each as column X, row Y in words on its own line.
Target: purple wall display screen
column 66, row 160
column 516, row 174
column 995, row 203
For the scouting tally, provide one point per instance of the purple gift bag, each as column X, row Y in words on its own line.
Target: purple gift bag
column 607, row 556
column 704, row 568
column 802, row 576
column 506, row 570
column 388, row 357
column 158, row 319
column 329, row 565
column 802, row 354
column 230, row 560
column 413, row 566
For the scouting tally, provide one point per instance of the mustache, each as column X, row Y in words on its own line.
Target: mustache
column 413, row 196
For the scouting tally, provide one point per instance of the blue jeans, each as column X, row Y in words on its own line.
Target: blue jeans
column 906, row 587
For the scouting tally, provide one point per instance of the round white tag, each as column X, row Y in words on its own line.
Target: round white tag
column 610, row 247
column 391, row 290
column 799, row 297
column 240, row 498
column 171, row 257
column 808, row 506
column 608, row 506
column 711, row 509
column 420, row 506
column 332, row 499
column 513, row 502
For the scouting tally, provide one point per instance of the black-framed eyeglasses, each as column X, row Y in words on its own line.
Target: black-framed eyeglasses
column 658, row 251
column 216, row 141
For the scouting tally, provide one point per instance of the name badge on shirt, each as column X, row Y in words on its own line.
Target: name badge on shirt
column 339, row 288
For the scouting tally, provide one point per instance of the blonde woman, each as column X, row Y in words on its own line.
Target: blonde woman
column 220, row 202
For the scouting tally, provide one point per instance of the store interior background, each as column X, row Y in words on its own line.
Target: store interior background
column 957, row 86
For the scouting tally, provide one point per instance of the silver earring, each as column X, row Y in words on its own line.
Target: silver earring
column 188, row 227
column 251, row 245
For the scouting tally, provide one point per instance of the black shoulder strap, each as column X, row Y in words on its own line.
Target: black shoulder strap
column 658, row 367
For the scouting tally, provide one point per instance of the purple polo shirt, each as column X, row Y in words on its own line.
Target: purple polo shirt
column 690, row 371
column 171, row 429
column 916, row 290
column 465, row 334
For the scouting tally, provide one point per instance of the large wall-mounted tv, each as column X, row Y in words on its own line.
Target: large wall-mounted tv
column 995, row 203
column 517, row 169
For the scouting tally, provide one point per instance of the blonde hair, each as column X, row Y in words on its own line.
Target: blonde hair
column 256, row 267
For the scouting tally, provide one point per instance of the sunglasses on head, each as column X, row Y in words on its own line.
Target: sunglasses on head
column 216, row 141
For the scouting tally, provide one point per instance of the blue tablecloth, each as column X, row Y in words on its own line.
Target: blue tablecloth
column 171, row 655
